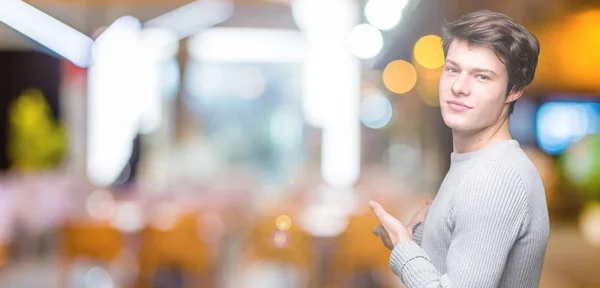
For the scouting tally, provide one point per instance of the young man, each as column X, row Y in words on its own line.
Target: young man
column 488, row 224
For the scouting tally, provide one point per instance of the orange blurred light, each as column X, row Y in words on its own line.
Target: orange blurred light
column 568, row 56
column 578, row 49
column 399, row 76
column 280, row 239
column 283, row 222
column 428, row 84
column 428, row 52
column 590, row 223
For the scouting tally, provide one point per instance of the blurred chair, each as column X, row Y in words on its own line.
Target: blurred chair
column 90, row 240
column 180, row 249
column 282, row 257
column 360, row 259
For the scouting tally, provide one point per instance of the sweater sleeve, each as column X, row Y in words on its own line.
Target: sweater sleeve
column 488, row 211
column 418, row 232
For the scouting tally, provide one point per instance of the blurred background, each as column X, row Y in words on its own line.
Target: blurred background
column 217, row 143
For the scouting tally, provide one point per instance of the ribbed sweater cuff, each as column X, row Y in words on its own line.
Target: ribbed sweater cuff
column 418, row 232
column 408, row 261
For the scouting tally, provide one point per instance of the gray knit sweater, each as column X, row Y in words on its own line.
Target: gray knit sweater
column 487, row 227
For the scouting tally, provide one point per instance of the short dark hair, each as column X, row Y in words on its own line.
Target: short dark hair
column 514, row 45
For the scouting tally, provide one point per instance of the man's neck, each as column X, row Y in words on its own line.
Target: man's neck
column 469, row 142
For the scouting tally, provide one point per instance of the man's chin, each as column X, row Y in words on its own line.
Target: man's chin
column 456, row 125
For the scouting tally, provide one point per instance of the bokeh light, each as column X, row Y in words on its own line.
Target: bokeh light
column 384, row 14
column 164, row 217
column 375, row 110
column 328, row 216
column 428, row 84
column 581, row 166
column 100, row 204
column 97, row 277
column 399, row 76
column 559, row 124
column 590, row 223
column 283, row 222
column 365, row 41
column 128, row 217
column 428, row 52
column 280, row 239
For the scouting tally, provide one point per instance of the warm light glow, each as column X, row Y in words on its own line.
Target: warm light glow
column 428, row 84
column 428, row 52
column 578, row 44
column 100, row 204
column 590, row 224
column 399, row 76
column 569, row 46
column 283, row 222
column 165, row 216
column 128, row 217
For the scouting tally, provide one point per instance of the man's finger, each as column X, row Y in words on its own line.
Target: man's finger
column 429, row 201
column 376, row 230
column 379, row 230
column 389, row 223
column 378, row 210
column 383, row 235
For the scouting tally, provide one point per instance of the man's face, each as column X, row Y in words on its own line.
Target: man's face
column 473, row 87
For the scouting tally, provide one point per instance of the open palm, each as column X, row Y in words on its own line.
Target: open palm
column 396, row 231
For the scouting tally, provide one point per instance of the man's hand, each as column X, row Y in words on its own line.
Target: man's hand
column 385, row 238
column 391, row 231
column 419, row 217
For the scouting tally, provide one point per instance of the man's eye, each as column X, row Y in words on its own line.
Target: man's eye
column 483, row 77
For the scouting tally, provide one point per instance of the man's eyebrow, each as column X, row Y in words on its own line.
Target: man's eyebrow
column 453, row 63
column 479, row 70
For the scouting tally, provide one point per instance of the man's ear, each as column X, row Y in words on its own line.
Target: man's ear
column 514, row 95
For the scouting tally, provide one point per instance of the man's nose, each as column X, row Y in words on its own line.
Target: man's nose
column 461, row 85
